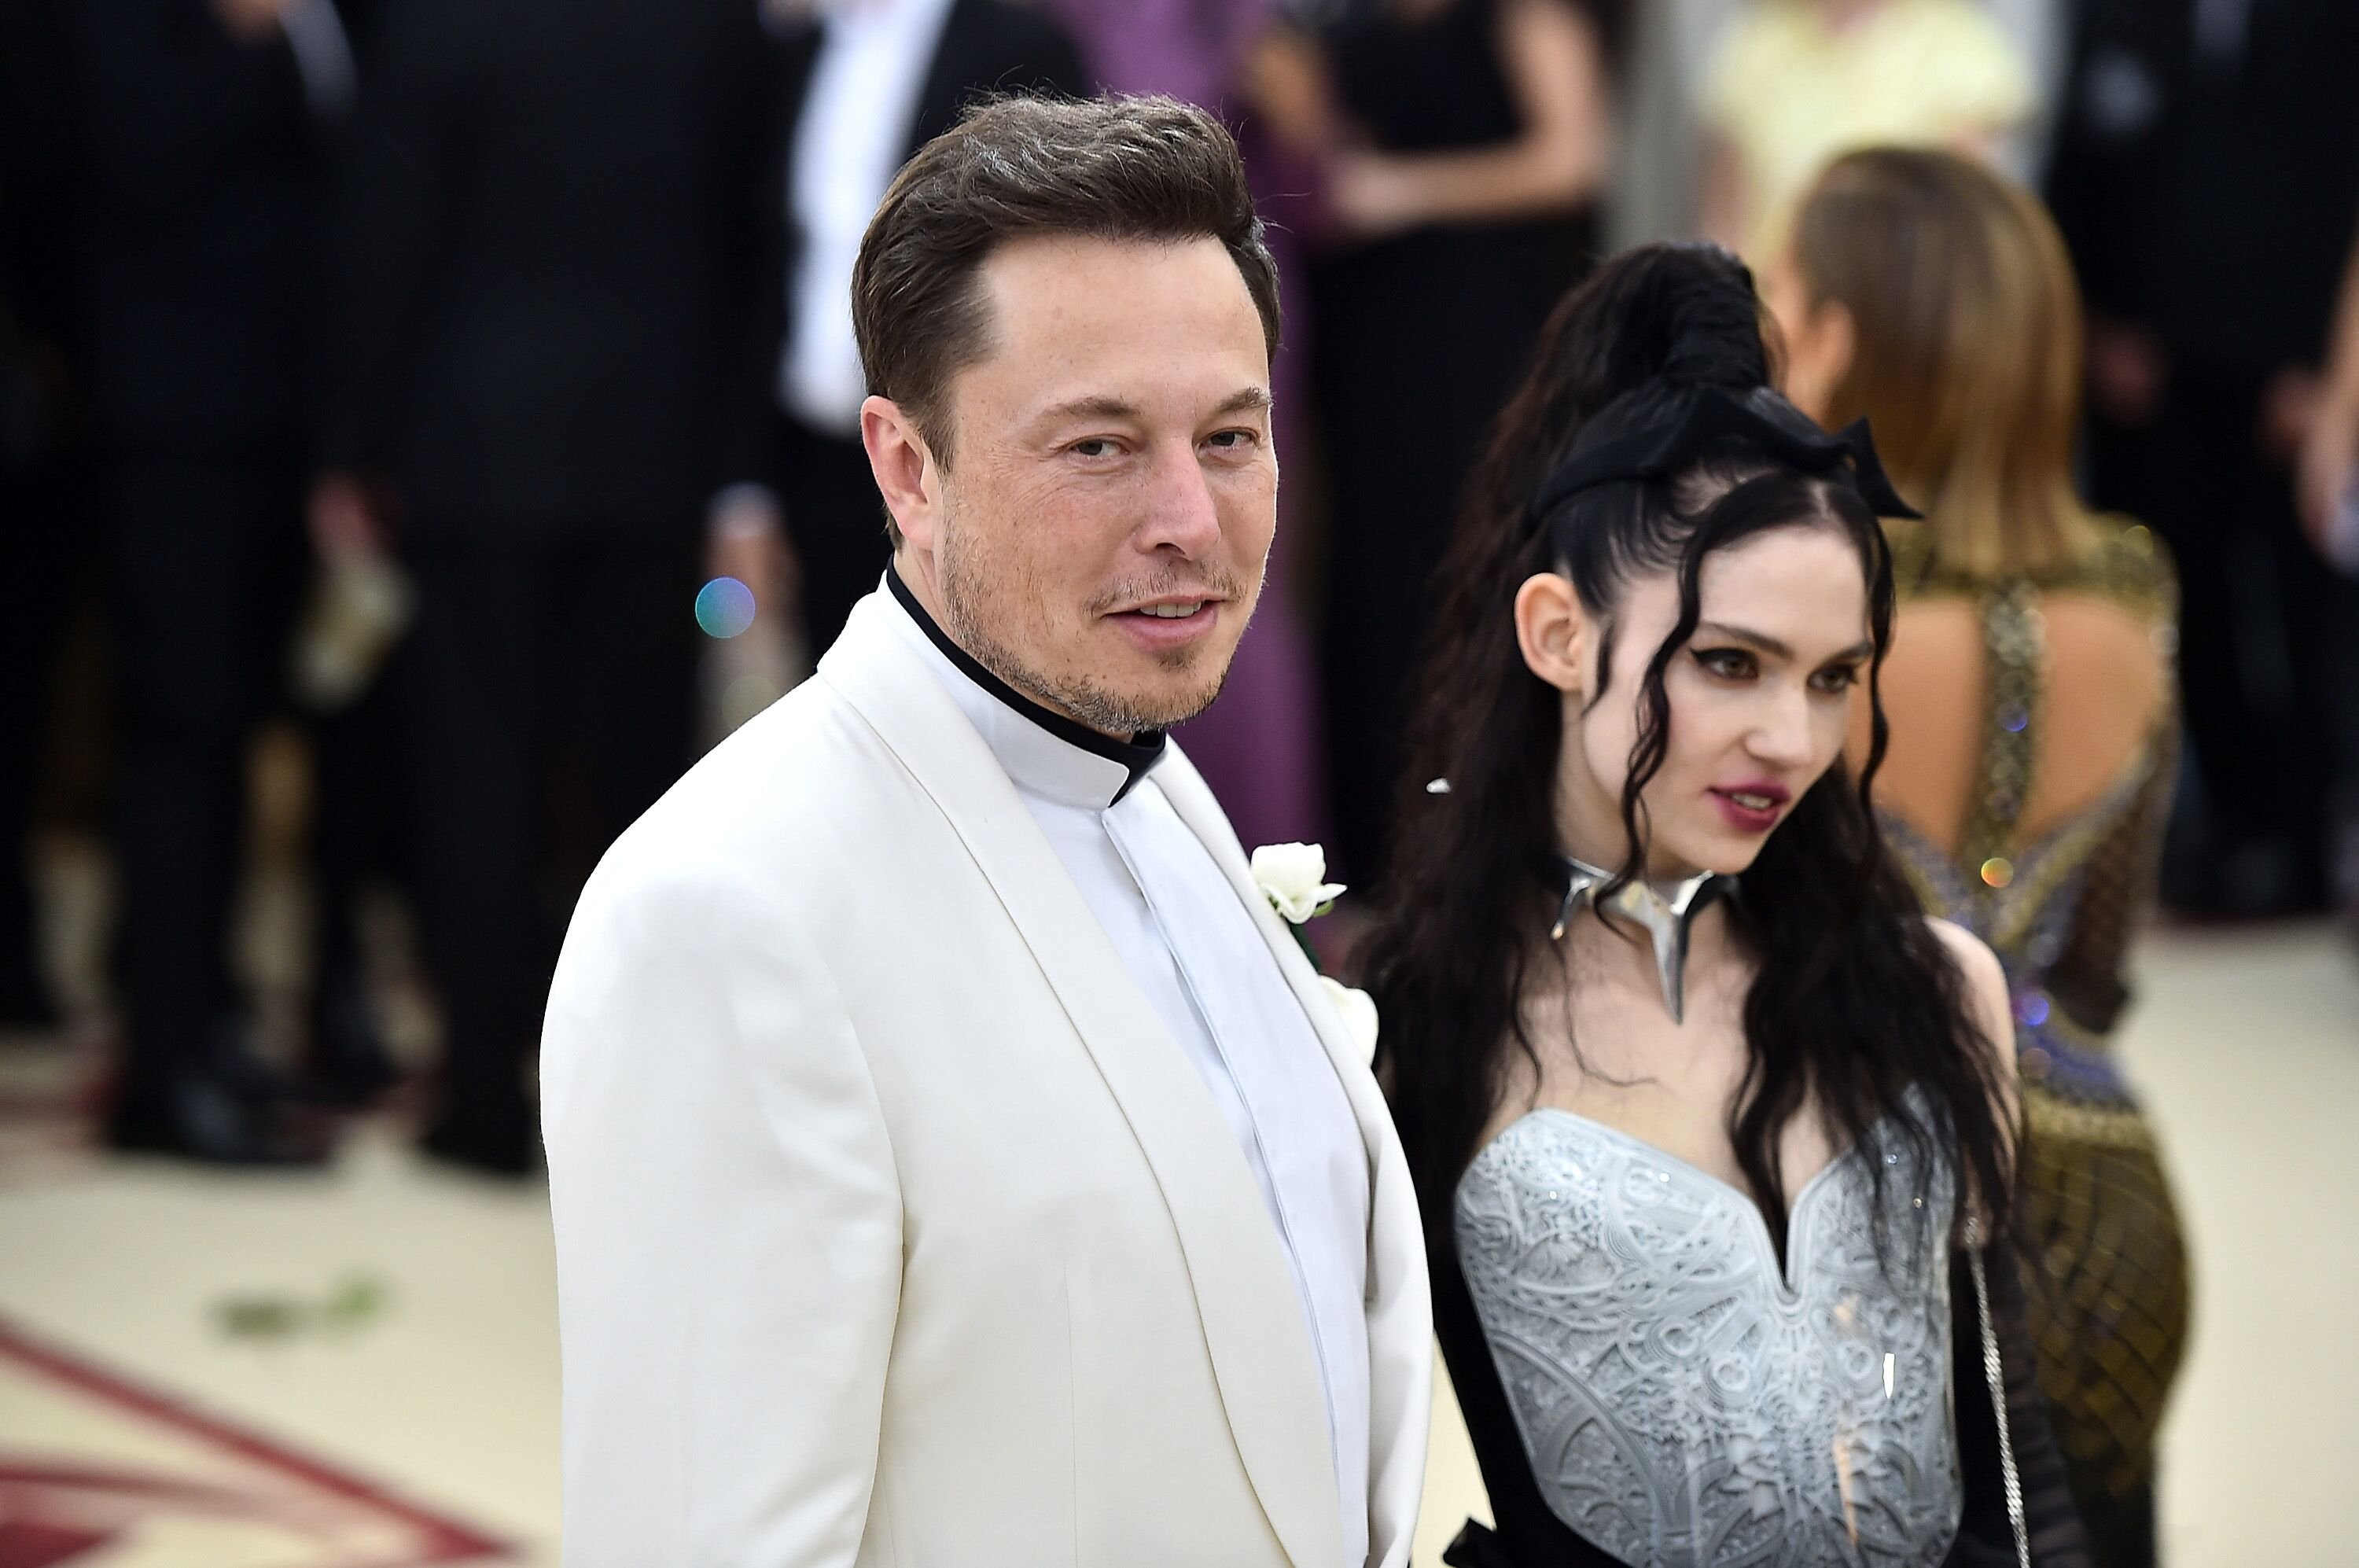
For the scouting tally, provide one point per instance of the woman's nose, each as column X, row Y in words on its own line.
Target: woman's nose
column 1783, row 735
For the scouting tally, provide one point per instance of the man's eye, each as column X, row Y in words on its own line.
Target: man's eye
column 1094, row 446
column 1232, row 441
column 1728, row 663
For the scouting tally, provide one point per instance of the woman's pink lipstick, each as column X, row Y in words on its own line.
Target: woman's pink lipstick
column 1747, row 817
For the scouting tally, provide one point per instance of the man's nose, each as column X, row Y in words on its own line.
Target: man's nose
column 1181, row 512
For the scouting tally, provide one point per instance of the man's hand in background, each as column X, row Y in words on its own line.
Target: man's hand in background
column 746, row 540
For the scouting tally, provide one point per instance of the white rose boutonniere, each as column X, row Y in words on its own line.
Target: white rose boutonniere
column 1293, row 878
column 1359, row 1010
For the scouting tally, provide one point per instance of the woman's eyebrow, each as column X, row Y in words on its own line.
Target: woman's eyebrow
column 1776, row 649
column 1761, row 640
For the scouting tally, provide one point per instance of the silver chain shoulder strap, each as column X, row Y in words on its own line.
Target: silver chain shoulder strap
column 1995, row 1374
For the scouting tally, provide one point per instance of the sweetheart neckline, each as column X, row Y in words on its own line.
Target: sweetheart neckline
column 1757, row 1222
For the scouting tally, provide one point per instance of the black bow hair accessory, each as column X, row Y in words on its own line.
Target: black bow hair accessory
column 1672, row 447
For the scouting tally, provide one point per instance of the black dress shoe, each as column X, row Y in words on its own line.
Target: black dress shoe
column 200, row 1117
column 504, row 1146
column 349, row 1067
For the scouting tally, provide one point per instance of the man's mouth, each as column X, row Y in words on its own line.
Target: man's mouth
column 1169, row 626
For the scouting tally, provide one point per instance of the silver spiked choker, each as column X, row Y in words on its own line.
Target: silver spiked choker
column 1665, row 913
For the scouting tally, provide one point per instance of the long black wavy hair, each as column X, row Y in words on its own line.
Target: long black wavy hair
column 1855, row 999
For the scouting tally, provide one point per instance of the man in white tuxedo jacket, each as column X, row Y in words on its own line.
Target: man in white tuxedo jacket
column 955, row 1163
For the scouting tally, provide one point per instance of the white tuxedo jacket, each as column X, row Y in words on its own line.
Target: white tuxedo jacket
column 892, row 1226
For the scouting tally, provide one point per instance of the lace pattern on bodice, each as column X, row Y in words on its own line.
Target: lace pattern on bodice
column 1681, row 1404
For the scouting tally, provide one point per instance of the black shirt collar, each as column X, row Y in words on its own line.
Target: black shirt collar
column 1136, row 755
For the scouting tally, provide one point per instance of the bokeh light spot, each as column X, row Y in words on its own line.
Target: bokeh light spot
column 1998, row 871
column 724, row 608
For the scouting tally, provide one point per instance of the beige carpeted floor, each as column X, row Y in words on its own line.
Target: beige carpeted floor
column 364, row 1364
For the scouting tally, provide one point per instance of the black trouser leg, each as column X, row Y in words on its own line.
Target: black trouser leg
column 39, row 522
column 207, row 560
column 359, row 769
column 478, row 722
column 631, row 639
column 518, row 640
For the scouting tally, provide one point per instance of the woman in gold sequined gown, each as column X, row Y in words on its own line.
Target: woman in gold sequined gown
column 2033, row 733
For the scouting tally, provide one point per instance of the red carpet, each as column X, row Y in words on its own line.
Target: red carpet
column 125, row 1475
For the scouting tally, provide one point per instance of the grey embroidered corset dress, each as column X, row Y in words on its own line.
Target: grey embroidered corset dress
column 1682, row 1401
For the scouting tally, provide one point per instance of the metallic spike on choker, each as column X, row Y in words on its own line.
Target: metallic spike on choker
column 1665, row 916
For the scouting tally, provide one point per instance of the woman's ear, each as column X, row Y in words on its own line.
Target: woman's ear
column 1819, row 354
column 1554, row 631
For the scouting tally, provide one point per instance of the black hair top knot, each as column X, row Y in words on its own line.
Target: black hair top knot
column 1711, row 321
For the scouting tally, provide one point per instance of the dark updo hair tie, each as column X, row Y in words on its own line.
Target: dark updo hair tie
column 1671, row 446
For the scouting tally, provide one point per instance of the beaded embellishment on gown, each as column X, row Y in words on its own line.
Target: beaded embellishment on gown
column 2110, row 1320
column 1682, row 1404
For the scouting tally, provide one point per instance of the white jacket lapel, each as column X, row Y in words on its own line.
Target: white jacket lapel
column 1260, row 1347
column 1400, row 1313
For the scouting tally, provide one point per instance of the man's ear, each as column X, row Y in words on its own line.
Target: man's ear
column 905, row 470
column 1554, row 632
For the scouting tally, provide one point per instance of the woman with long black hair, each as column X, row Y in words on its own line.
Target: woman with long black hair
column 1707, row 1117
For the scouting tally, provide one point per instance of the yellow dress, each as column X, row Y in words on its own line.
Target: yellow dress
column 1790, row 94
column 2061, row 911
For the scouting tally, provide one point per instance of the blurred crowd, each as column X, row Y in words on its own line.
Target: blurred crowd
column 441, row 381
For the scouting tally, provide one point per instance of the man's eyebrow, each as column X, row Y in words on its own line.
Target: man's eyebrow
column 1104, row 406
column 1099, row 407
column 1776, row 649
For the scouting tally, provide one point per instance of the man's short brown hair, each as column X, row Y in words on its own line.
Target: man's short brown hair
column 1151, row 170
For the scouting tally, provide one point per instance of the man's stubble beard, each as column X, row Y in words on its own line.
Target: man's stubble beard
column 966, row 585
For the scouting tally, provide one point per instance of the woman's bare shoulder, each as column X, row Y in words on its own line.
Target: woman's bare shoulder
column 1985, row 989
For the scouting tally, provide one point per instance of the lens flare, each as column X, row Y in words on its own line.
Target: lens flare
column 724, row 608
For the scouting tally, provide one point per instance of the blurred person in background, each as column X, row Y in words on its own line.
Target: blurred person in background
column 1793, row 84
column 40, row 526
column 2330, row 458
column 2206, row 177
column 1461, row 144
column 545, row 367
column 1188, row 49
column 2033, row 733
column 868, row 82
column 201, row 142
column 2330, row 504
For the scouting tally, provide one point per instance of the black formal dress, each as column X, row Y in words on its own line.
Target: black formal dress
column 2206, row 177
column 1415, row 341
column 834, row 514
column 552, row 260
